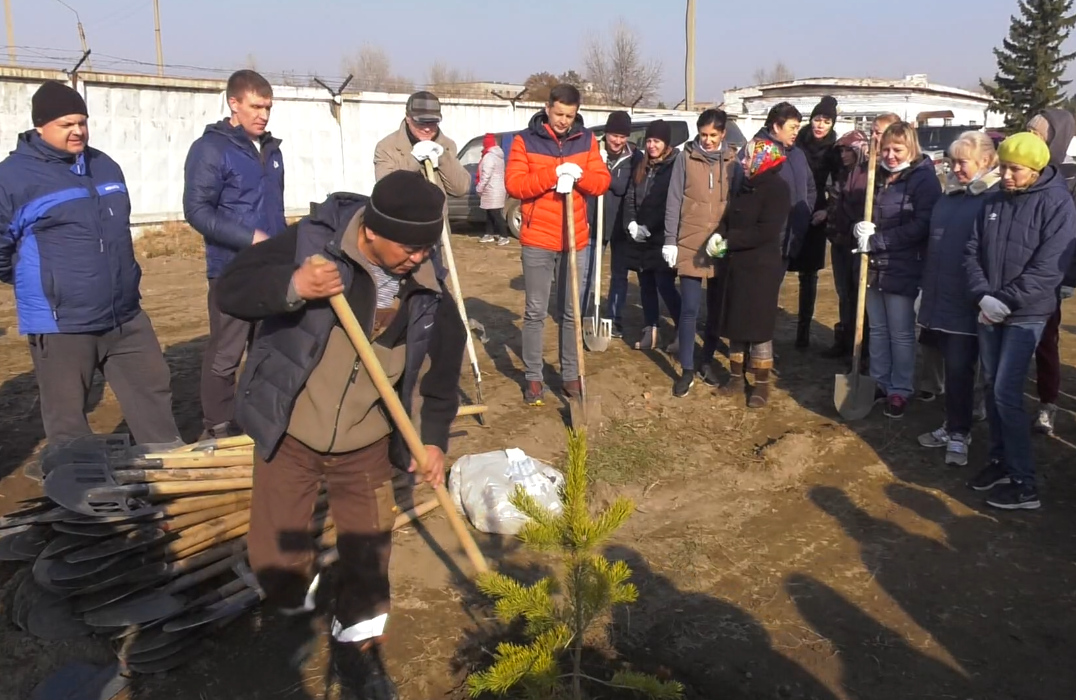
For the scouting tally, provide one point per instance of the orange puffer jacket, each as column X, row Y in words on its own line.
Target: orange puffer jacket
column 530, row 176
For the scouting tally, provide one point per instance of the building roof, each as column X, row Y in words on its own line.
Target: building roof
column 917, row 83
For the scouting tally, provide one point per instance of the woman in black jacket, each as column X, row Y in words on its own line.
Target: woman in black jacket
column 644, row 212
column 753, row 232
column 818, row 142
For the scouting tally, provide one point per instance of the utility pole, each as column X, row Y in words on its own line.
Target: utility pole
column 11, row 58
column 81, row 33
column 689, row 69
column 157, row 29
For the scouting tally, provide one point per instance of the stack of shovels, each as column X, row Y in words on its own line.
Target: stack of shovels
column 145, row 548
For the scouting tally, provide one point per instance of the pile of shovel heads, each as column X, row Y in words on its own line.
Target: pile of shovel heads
column 147, row 549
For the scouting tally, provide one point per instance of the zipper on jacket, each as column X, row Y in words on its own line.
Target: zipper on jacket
column 355, row 367
column 96, row 199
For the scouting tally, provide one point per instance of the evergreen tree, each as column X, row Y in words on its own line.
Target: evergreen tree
column 558, row 611
column 1030, row 62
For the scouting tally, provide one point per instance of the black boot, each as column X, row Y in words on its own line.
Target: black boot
column 361, row 673
column 840, row 348
column 808, row 293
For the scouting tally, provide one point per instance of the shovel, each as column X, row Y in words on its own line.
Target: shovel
column 853, row 394
column 457, row 294
column 584, row 410
column 598, row 331
column 402, row 421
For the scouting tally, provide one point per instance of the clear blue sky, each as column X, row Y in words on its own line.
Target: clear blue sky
column 950, row 40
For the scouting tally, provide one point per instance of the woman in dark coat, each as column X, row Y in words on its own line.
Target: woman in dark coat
column 754, row 267
column 818, row 142
column 644, row 210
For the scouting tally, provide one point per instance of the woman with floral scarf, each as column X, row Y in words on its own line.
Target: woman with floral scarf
column 750, row 240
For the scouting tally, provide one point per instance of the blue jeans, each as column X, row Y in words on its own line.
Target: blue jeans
column 892, row 319
column 542, row 269
column 690, row 303
column 651, row 284
column 1006, row 357
column 618, row 282
column 960, row 354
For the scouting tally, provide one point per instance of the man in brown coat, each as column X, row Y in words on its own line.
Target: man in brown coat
column 418, row 139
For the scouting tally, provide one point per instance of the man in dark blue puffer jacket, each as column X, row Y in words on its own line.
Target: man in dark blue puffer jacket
column 233, row 195
column 65, row 244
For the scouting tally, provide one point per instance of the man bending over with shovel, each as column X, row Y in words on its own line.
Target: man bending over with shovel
column 314, row 413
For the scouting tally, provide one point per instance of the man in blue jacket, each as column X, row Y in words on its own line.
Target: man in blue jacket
column 233, row 194
column 65, row 244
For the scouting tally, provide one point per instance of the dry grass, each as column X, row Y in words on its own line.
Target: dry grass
column 173, row 238
column 627, row 452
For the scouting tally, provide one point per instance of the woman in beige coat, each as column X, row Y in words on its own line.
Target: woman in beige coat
column 706, row 174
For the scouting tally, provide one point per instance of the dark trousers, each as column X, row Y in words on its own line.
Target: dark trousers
column 228, row 338
column 1048, row 360
column 618, row 281
column 653, row 283
column 711, row 337
column 1006, row 357
column 129, row 356
column 960, row 354
column 845, row 282
column 281, row 546
column 495, row 223
column 690, row 304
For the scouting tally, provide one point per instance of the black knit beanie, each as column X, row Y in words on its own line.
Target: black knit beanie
column 827, row 107
column 54, row 100
column 660, row 129
column 618, row 123
column 406, row 208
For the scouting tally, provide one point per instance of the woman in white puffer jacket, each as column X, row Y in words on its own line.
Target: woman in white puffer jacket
column 491, row 191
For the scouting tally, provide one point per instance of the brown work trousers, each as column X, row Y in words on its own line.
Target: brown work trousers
column 282, row 547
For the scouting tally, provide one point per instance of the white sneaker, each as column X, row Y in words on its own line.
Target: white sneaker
column 937, row 438
column 956, row 452
column 488, row 238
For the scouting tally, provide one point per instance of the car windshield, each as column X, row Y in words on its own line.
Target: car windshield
column 939, row 138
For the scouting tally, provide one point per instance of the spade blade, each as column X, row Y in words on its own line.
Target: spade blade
column 136, row 610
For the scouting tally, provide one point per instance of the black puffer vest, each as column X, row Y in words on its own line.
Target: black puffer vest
column 287, row 348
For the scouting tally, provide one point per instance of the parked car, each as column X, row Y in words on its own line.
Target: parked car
column 467, row 209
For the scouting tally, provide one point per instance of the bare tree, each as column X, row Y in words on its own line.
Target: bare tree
column 446, row 81
column 618, row 71
column 372, row 70
column 780, row 73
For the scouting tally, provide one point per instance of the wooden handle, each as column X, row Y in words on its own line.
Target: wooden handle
column 180, row 488
column 181, row 506
column 210, row 528
column 217, row 444
column 211, row 459
column 173, row 457
column 573, row 268
column 201, row 575
column 184, row 521
column 471, row 410
column 403, row 422
column 864, row 263
column 181, row 475
column 228, row 536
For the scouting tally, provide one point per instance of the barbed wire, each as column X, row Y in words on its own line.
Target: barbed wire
column 65, row 59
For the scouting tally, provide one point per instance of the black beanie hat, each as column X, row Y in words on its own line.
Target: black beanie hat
column 406, row 208
column 618, row 123
column 827, row 107
column 659, row 129
column 54, row 100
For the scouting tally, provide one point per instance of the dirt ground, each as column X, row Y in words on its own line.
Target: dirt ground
column 778, row 553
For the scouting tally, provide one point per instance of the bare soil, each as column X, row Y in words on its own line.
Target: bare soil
column 779, row 553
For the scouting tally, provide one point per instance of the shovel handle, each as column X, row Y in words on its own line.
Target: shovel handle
column 573, row 271
column 471, row 410
column 864, row 264
column 181, row 475
column 181, row 488
column 208, row 460
column 403, row 422
column 182, row 506
column 174, row 458
column 228, row 536
column 183, row 522
column 216, row 444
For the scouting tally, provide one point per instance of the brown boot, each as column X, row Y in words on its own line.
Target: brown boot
column 760, row 388
column 734, row 385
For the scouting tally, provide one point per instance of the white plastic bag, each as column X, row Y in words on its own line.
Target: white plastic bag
column 482, row 484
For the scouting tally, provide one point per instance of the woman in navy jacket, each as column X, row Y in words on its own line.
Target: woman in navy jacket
column 1017, row 256
column 896, row 243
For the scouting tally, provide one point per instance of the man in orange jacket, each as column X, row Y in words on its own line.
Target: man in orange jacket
column 552, row 156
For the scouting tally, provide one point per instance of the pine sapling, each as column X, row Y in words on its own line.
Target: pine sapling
column 558, row 610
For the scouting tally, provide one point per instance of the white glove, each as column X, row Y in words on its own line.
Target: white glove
column 669, row 253
column 863, row 232
column 993, row 311
column 427, row 150
column 716, row 246
column 1066, row 292
column 638, row 233
column 569, row 169
column 565, row 183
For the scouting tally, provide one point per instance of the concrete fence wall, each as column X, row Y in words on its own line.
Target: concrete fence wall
column 147, row 124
